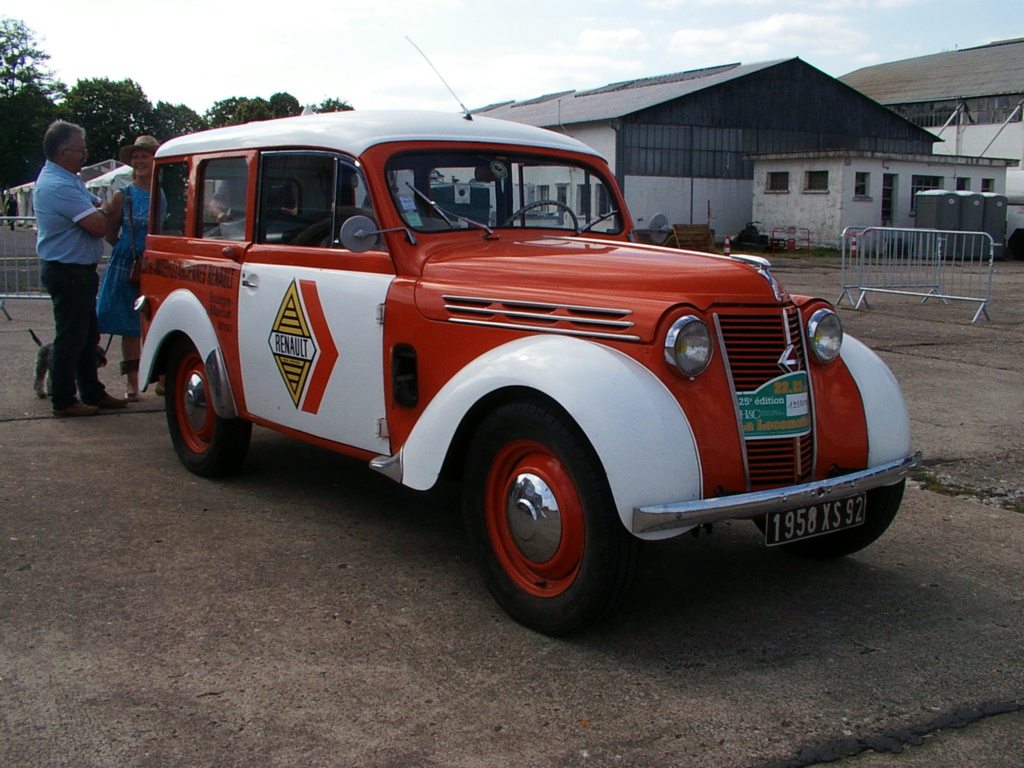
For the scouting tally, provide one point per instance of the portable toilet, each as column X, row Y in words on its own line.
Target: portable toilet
column 972, row 212
column 937, row 209
column 994, row 221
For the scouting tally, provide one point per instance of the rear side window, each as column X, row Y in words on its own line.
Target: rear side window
column 223, row 198
column 172, row 181
column 305, row 197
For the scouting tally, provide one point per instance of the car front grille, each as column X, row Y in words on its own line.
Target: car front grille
column 754, row 344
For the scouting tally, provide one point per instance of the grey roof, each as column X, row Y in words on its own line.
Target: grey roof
column 617, row 99
column 989, row 70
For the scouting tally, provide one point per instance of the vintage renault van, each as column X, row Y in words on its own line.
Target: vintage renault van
column 467, row 299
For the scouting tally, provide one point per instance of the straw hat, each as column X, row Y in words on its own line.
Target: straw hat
column 148, row 143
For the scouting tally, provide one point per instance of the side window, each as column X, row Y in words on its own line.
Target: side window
column 305, row 197
column 172, row 181
column 224, row 195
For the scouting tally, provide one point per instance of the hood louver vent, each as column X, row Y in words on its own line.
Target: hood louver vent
column 565, row 319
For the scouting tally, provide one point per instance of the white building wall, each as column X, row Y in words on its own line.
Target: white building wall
column 973, row 140
column 722, row 204
column 600, row 137
column 827, row 214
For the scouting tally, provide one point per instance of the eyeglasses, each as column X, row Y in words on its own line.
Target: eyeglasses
column 83, row 150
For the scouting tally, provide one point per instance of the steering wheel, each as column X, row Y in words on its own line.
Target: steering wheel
column 538, row 204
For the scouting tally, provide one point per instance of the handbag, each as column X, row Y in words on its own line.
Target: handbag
column 134, row 276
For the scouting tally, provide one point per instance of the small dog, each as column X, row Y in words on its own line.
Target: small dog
column 42, row 385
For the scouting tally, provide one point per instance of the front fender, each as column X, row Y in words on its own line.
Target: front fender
column 637, row 428
column 885, row 410
column 182, row 313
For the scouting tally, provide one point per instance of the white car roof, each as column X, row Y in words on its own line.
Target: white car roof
column 354, row 131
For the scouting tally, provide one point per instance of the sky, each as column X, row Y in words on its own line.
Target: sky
column 198, row 52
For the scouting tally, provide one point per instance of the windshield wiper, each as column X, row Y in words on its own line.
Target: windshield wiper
column 591, row 224
column 448, row 216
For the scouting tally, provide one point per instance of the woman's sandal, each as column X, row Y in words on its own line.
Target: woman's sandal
column 132, row 396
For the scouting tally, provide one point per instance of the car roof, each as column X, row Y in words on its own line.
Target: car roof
column 355, row 131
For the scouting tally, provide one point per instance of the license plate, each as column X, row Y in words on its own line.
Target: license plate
column 816, row 520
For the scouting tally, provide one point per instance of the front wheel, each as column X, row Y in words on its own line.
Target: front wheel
column 882, row 504
column 540, row 512
column 206, row 444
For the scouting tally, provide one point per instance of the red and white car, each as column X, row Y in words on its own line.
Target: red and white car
column 453, row 298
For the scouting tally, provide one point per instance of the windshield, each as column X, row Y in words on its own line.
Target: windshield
column 441, row 191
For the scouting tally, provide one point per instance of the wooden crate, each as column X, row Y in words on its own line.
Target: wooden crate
column 692, row 237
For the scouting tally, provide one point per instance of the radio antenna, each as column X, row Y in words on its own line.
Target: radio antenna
column 465, row 112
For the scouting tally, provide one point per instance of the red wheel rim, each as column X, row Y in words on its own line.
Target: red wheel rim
column 195, row 419
column 546, row 568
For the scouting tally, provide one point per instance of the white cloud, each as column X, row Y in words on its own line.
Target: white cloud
column 613, row 40
column 781, row 35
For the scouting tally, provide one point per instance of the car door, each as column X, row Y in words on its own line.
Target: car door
column 310, row 313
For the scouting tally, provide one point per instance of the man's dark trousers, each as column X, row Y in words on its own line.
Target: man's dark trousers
column 73, row 288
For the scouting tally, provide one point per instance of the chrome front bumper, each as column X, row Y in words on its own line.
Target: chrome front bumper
column 684, row 515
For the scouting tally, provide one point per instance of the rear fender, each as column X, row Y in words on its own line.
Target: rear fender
column 182, row 313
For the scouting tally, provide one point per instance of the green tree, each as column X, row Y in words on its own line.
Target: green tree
column 223, row 112
column 177, row 120
column 22, row 62
column 238, row 110
column 332, row 105
column 242, row 109
column 285, row 105
column 112, row 113
column 28, row 90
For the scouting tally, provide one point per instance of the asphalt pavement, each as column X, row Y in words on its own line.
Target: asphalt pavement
column 309, row 612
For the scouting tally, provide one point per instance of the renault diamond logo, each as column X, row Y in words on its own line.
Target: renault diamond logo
column 292, row 344
column 789, row 362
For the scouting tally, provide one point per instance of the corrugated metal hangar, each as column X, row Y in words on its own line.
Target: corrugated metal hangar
column 681, row 144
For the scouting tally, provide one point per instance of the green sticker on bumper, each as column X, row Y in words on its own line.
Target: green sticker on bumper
column 778, row 408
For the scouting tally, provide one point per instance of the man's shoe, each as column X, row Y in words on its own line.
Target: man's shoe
column 108, row 402
column 78, row 409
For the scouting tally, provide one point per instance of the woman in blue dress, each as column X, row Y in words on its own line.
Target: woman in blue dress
column 115, row 305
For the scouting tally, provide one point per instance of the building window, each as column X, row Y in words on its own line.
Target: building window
column 543, row 193
column 778, row 181
column 920, row 184
column 862, row 184
column 963, row 184
column 816, row 181
column 889, row 189
column 988, row 185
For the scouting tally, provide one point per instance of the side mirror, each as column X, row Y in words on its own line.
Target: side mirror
column 359, row 233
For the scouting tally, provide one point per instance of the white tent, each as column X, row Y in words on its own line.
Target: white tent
column 106, row 185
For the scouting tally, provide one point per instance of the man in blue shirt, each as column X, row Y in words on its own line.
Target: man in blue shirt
column 71, row 224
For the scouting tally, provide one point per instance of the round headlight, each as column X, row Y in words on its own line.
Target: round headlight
column 825, row 335
column 688, row 345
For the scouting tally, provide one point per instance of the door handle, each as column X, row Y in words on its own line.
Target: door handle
column 250, row 281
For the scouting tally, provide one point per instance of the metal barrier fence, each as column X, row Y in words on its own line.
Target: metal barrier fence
column 19, row 264
column 931, row 263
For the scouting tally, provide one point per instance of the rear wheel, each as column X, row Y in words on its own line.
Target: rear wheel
column 206, row 444
column 538, row 508
column 882, row 505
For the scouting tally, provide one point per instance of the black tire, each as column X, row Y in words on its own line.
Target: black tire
column 881, row 508
column 554, row 573
column 206, row 444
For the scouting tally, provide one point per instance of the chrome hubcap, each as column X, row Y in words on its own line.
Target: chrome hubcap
column 533, row 517
column 195, row 402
